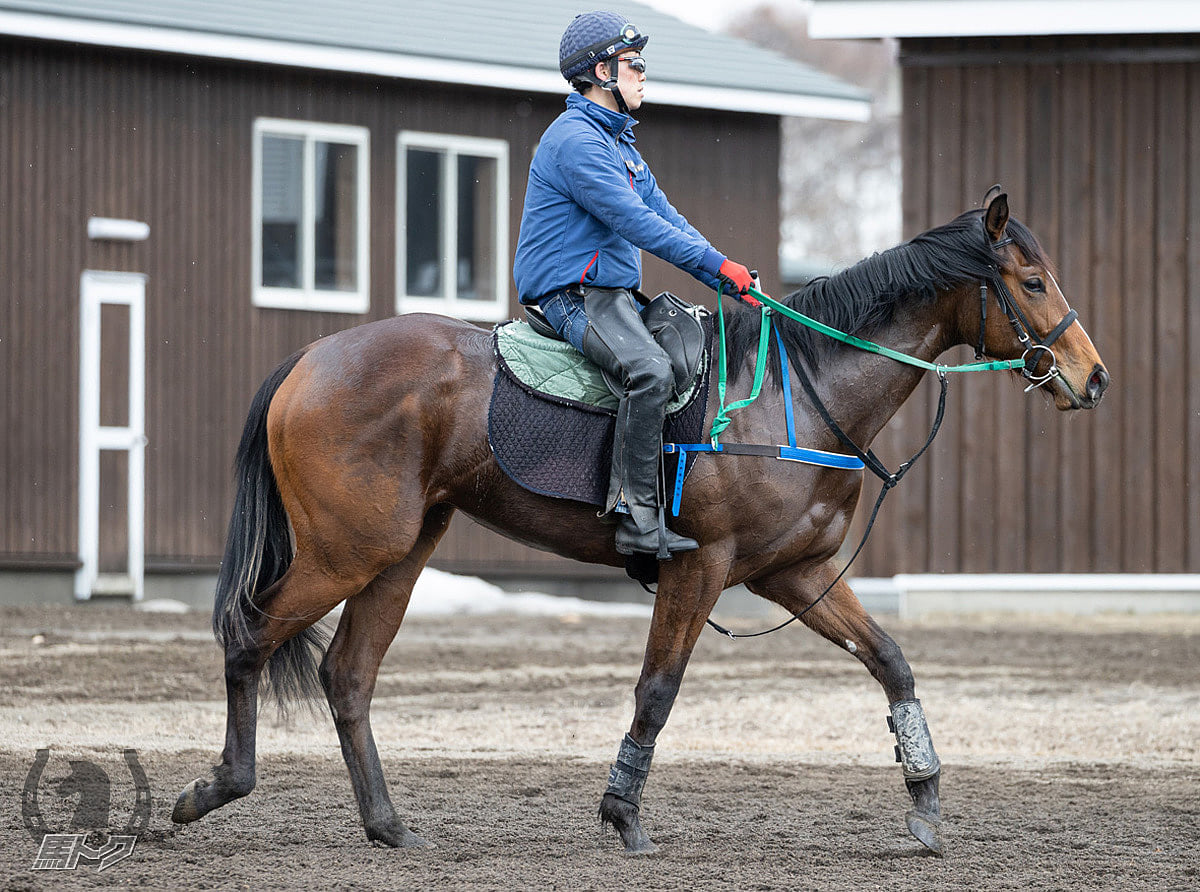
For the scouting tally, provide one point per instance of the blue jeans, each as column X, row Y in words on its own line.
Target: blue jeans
column 565, row 312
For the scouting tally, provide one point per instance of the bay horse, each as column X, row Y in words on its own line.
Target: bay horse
column 359, row 448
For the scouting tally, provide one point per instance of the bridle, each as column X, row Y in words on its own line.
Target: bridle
column 1028, row 338
column 1034, row 346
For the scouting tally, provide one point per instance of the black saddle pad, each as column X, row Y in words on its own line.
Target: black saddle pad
column 558, row 447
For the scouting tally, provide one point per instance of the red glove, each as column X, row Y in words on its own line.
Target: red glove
column 739, row 279
column 736, row 276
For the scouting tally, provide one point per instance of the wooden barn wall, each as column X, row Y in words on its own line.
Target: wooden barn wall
column 1097, row 142
column 167, row 140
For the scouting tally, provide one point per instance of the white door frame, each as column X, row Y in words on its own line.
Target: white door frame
column 97, row 288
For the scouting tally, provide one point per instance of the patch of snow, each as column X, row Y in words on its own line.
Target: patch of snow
column 161, row 605
column 442, row 594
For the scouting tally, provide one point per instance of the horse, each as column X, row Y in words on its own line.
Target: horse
column 359, row 448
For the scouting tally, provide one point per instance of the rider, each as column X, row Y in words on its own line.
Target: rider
column 591, row 204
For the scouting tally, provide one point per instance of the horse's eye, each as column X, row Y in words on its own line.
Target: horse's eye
column 1035, row 285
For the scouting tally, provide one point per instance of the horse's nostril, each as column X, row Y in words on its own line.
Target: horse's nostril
column 1097, row 383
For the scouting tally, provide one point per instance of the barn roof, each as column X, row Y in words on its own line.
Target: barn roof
column 509, row 44
column 999, row 18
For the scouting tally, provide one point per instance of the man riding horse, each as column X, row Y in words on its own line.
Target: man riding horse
column 591, row 206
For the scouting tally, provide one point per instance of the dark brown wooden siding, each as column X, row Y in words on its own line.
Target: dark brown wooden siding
column 167, row 140
column 1097, row 142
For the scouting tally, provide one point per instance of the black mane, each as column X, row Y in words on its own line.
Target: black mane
column 864, row 298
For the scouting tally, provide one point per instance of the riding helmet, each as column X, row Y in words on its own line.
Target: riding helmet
column 593, row 37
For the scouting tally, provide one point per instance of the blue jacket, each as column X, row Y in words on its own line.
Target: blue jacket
column 592, row 203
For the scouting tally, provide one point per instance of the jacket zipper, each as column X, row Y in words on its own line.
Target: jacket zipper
column 589, row 266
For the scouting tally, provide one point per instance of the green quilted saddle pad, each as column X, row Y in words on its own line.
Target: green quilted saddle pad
column 559, row 370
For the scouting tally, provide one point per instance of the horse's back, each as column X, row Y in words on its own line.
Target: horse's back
column 401, row 351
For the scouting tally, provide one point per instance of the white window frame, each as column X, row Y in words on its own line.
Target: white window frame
column 449, row 303
column 308, row 296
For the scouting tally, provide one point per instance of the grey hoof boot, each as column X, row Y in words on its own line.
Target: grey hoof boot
column 623, row 798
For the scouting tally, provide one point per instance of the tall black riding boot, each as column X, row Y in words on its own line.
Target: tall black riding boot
column 616, row 339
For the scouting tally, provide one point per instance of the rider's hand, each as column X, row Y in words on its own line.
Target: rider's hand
column 740, row 280
column 736, row 276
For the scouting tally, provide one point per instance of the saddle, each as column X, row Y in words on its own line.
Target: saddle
column 675, row 324
column 552, row 413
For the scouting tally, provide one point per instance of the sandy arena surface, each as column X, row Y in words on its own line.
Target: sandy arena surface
column 1071, row 753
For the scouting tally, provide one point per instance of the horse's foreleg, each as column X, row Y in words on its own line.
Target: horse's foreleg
column 841, row 618
column 348, row 673
column 683, row 603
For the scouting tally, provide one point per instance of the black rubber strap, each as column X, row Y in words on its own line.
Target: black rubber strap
column 868, row 458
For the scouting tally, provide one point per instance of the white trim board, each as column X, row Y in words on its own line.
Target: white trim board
column 920, row 594
column 999, row 18
column 421, row 68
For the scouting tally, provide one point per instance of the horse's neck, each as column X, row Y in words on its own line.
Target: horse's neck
column 864, row 390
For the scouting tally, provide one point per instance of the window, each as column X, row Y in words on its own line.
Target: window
column 310, row 216
column 452, row 232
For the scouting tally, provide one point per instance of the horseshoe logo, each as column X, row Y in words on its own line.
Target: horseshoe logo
column 35, row 821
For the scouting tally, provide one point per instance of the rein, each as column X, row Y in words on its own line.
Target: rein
column 769, row 305
column 868, row 459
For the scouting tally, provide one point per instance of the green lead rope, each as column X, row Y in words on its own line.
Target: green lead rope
column 770, row 305
column 722, row 419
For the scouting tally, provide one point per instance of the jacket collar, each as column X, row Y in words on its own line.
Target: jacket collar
column 619, row 125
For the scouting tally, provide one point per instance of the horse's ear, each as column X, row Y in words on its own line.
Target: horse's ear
column 996, row 217
column 990, row 194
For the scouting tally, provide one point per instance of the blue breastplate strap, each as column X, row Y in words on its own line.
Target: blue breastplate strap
column 787, row 453
column 790, row 452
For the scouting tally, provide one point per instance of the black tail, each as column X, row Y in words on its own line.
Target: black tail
column 258, row 551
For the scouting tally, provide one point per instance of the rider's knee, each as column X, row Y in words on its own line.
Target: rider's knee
column 652, row 374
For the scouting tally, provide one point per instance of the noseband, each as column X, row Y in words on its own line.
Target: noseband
column 1021, row 327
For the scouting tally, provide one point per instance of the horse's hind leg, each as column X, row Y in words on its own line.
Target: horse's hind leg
column 348, row 673
column 841, row 618
column 301, row 597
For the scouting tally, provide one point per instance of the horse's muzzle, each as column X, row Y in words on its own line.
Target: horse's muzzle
column 1081, row 395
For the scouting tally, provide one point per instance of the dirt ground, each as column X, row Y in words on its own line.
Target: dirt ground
column 1071, row 753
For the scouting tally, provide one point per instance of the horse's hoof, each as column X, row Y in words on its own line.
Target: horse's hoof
column 187, row 808
column 642, row 846
column 926, row 829
column 410, row 840
column 624, row 818
column 397, row 836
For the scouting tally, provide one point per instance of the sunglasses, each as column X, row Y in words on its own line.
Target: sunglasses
column 637, row 63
